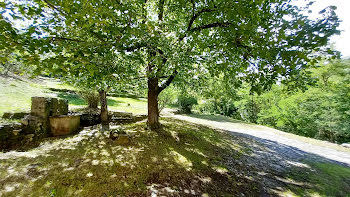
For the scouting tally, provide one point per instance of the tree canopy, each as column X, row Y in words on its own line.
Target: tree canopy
column 260, row 40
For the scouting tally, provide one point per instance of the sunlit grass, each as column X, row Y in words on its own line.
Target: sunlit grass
column 132, row 105
column 322, row 179
column 15, row 96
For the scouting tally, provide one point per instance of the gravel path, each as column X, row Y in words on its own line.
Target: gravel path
column 286, row 145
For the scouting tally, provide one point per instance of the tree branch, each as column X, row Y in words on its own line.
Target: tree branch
column 97, row 36
column 66, row 39
column 167, row 82
column 54, row 7
column 217, row 24
column 50, row 5
column 194, row 17
column 161, row 10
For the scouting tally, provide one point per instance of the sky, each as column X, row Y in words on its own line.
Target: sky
column 342, row 41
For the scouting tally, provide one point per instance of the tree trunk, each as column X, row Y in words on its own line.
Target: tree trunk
column 153, row 113
column 104, row 110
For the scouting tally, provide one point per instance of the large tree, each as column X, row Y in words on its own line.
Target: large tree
column 262, row 40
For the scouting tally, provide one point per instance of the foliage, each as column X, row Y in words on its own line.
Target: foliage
column 11, row 64
column 99, row 41
column 167, row 98
column 133, row 88
column 322, row 111
column 185, row 102
column 319, row 111
column 218, row 95
column 224, row 106
column 91, row 97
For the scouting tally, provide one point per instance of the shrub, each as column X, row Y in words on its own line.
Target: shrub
column 224, row 106
column 185, row 102
column 91, row 97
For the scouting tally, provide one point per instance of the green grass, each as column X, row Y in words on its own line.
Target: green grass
column 181, row 159
column 133, row 105
column 322, row 179
column 16, row 93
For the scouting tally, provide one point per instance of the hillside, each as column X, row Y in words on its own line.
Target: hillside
column 16, row 91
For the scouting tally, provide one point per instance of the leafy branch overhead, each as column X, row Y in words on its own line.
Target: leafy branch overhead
column 272, row 36
column 103, row 40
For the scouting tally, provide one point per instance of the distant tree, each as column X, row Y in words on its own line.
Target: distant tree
column 261, row 40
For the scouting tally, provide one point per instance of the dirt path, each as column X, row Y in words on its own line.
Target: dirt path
column 278, row 160
column 286, row 145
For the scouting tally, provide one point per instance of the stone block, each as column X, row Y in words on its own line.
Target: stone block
column 88, row 119
column 14, row 115
column 16, row 132
column 40, row 107
column 10, row 135
column 64, row 125
column 140, row 117
column 58, row 107
column 29, row 137
column 120, row 117
column 54, row 108
column 38, row 124
column 63, row 106
column 25, row 121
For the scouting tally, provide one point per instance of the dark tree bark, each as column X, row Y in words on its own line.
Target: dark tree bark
column 104, row 110
column 153, row 91
column 153, row 112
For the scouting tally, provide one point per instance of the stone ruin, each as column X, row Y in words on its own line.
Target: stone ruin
column 49, row 117
column 34, row 126
column 41, row 110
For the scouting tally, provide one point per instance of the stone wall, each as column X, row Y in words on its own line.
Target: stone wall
column 34, row 126
column 14, row 115
column 42, row 108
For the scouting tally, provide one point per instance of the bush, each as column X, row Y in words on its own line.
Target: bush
column 185, row 102
column 91, row 97
column 224, row 106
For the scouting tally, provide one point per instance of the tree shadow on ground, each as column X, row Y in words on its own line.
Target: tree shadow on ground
column 290, row 171
column 181, row 159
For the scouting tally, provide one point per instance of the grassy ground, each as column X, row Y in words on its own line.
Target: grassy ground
column 182, row 160
column 321, row 179
column 16, row 93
